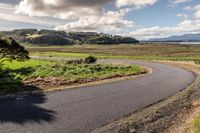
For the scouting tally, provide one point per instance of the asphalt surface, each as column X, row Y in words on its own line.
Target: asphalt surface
column 84, row 109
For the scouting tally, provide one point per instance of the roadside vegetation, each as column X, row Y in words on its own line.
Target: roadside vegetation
column 196, row 125
column 48, row 74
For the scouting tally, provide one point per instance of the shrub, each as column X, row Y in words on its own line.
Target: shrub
column 90, row 60
column 76, row 61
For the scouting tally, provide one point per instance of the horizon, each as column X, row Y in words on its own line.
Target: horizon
column 142, row 20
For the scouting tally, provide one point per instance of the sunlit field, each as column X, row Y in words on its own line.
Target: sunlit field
column 141, row 52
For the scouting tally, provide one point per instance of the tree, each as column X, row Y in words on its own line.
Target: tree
column 11, row 50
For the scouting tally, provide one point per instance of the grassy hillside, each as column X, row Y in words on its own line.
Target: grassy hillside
column 51, row 37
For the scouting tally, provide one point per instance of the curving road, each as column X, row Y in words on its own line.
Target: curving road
column 84, row 109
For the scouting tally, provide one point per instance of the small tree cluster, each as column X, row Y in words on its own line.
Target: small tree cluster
column 11, row 50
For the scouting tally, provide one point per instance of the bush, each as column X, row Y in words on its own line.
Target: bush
column 77, row 61
column 90, row 60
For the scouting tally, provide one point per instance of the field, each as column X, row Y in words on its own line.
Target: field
column 41, row 75
column 16, row 65
column 45, row 69
column 141, row 52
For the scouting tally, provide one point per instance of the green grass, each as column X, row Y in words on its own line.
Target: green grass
column 13, row 73
column 84, row 71
column 196, row 125
column 59, row 54
column 104, row 56
column 14, row 65
column 33, row 69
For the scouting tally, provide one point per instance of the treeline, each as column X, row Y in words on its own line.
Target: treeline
column 52, row 37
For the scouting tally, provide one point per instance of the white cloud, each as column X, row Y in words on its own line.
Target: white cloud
column 179, row 1
column 135, row 3
column 73, row 9
column 110, row 21
column 7, row 14
column 187, row 8
column 84, row 15
column 197, row 11
column 64, row 9
column 186, row 26
column 183, row 15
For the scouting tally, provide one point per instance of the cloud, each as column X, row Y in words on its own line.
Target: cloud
column 13, row 2
column 187, row 8
column 135, row 3
column 6, row 13
column 73, row 9
column 186, row 26
column 197, row 11
column 64, row 9
column 109, row 21
column 183, row 15
column 179, row 1
column 84, row 15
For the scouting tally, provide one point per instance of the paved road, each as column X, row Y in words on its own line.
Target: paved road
column 84, row 109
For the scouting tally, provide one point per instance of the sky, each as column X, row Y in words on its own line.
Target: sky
column 141, row 19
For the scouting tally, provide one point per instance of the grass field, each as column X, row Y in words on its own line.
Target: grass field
column 15, row 65
column 69, row 71
column 46, row 74
column 142, row 52
column 15, row 71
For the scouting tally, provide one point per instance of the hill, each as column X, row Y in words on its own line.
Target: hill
column 52, row 37
column 182, row 38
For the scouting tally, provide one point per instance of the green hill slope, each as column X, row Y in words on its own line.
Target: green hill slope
column 52, row 37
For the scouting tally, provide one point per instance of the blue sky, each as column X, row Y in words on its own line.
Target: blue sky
column 142, row 19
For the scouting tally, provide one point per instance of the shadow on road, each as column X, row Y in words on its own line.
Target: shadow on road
column 25, row 108
column 22, row 108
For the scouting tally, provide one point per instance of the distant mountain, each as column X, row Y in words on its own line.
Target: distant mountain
column 52, row 37
column 183, row 38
